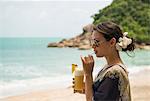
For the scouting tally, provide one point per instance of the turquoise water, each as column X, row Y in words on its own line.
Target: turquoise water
column 24, row 61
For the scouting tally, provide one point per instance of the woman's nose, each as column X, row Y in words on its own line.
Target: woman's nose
column 93, row 46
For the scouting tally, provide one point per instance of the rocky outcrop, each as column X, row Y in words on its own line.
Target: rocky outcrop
column 142, row 46
column 81, row 41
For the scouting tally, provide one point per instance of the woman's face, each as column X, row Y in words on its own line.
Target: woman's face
column 99, row 44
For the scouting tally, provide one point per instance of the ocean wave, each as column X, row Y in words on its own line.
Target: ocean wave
column 132, row 69
column 17, row 87
column 138, row 69
column 18, row 71
column 40, row 78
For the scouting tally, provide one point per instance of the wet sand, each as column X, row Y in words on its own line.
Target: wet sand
column 140, row 90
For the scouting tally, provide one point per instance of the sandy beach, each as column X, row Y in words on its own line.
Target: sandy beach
column 140, row 90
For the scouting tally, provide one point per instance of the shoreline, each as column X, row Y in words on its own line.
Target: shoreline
column 140, row 88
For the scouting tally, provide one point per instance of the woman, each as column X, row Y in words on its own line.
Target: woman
column 111, row 83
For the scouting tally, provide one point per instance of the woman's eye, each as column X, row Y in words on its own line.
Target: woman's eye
column 96, row 41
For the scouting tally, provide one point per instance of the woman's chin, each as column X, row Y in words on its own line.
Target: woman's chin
column 97, row 55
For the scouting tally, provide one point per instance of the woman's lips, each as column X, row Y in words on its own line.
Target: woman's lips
column 95, row 51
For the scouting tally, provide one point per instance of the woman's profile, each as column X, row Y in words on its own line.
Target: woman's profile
column 112, row 82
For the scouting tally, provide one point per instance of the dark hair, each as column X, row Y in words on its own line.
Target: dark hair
column 111, row 30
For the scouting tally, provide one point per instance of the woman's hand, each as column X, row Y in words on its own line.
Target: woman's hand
column 88, row 64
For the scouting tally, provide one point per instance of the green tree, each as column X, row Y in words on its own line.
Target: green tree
column 132, row 15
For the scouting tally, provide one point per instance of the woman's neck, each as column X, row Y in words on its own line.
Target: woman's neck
column 113, row 59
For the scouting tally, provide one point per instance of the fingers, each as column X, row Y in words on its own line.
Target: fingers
column 91, row 58
column 83, row 61
column 86, row 59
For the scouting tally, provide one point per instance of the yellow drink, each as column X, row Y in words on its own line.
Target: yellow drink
column 79, row 77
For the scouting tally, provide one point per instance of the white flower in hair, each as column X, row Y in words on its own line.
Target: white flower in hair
column 123, row 42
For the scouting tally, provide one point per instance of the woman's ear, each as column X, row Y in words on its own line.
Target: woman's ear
column 112, row 42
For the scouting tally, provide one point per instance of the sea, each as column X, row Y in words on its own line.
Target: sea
column 27, row 64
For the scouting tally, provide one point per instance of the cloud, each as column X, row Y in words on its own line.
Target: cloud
column 43, row 14
column 46, row 18
column 79, row 10
column 55, row 0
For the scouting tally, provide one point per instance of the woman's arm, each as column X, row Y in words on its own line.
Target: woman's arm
column 88, row 87
column 88, row 65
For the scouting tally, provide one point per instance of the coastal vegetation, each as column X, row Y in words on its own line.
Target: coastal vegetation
column 132, row 15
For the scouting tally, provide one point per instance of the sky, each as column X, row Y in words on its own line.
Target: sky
column 48, row 18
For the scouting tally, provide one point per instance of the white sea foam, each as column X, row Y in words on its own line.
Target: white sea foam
column 138, row 69
column 23, row 86
column 133, row 70
column 16, row 87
